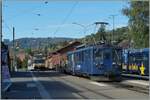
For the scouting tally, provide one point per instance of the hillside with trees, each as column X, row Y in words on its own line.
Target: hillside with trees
column 41, row 43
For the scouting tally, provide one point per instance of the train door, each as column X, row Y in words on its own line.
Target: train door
column 69, row 67
column 87, row 61
column 98, row 61
column 146, row 63
column 125, row 60
column 107, row 61
column 73, row 63
column 117, row 60
column 80, row 62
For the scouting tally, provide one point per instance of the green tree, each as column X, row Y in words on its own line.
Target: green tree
column 25, row 63
column 19, row 62
column 138, row 14
column 64, row 43
column 119, row 35
column 29, row 51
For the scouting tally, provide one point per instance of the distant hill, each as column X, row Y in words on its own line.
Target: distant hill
column 38, row 42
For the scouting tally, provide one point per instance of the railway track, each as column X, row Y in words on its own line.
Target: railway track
column 126, row 86
column 113, row 84
column 130, row 87
column 130, row 76
column 90, row 90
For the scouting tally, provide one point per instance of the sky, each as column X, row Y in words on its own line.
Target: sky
column 55, row 18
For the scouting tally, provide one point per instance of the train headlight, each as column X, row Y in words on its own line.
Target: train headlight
column 124, row 67
column 114, row 63
column 97, row 65
column 119, row 64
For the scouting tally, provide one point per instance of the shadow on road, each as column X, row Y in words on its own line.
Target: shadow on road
column 37, row 74
column 56, row 90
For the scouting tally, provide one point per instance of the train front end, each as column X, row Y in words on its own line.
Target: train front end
column 115, row 69
column 108, row 60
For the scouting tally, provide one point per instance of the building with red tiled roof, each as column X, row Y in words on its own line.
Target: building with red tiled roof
column 58, row 58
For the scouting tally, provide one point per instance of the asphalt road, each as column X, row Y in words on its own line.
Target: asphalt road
column 54, row 85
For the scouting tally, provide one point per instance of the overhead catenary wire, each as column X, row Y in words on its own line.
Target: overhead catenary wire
column 93, row 36
column 66, row 18
column 24, row 12
column 7, row 26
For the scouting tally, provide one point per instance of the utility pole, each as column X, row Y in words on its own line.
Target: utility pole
column 113, row 26
column 1, row 33
column 1, row 18
column 113, row 18
column 14, row 51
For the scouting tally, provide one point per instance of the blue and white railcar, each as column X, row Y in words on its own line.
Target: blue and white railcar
column 99, row 60
column 136, row 61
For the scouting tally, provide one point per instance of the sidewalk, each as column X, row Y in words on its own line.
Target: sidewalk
column 137, row 83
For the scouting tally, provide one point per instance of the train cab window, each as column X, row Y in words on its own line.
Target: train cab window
column 98, row 54
column 107, row 55
column 116, row 56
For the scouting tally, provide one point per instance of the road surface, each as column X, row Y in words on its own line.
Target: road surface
column 54, row 85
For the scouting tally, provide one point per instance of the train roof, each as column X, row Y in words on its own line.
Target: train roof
column 146, row 49
column 99, row 44
column 86, row 47
column 107, row 46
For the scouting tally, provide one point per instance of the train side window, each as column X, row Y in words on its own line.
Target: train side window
column 131, row 58
column 145, row 58
column 77, row 57
column 82, row 55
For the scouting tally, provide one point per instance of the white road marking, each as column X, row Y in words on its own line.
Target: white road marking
column 139, row 82
column 99, row 84
column 44, row 94
column 76, row 95
column 31, row 85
